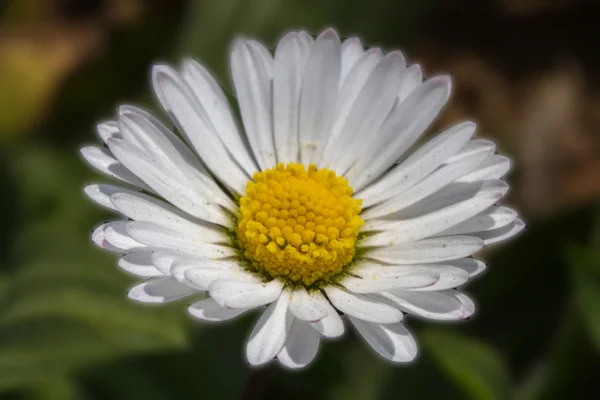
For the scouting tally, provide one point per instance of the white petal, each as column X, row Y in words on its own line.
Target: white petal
column 349, row 92
column 495, row 167
column 139, row 264
column 370, row 110
column 393, row 342
column 427, row 250
column 332, row 325
column 163, row 260
column 413, row 78
column 213, row 100
column 99, row 239
column 107, row 130
column 363, row 307
column 253, row 90
column 160, row 237
column 452, row 194
column 116, row 234
column 351, row 50
column 402, row 128
column 102, row 160
column 470, row 266
column 263, row 55
column 431, row 184
column 450, row 276
column 419, row 164
column 187, row 198
column 290, row 63
column 493, row 218
column 244, row 294
column 101, row 193
column 163, row 147
column 204, row 272
column 301, row 346
column 503, row 233
column 389, row 277
column 319, row 96
column 440, row 305
column 270, row 332
column 160, row 290
column 474, row 146
column 306, row 307
column 141, row 207
column 395, row 232
column 188, row 115
column 210, row 310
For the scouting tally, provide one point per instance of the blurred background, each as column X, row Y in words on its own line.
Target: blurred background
column 528, row 71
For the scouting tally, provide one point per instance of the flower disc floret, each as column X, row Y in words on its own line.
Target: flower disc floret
column 299, row 225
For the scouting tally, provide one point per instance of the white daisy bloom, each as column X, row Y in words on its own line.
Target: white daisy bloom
column 319, row 206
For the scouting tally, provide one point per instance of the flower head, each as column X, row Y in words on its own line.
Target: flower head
column 321, row 208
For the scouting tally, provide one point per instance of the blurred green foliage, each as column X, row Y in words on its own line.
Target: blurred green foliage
column 68, row 331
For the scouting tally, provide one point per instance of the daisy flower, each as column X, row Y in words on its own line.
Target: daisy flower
column 319, row 208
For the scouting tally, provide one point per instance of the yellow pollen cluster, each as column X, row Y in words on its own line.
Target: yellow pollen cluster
column 298, row 225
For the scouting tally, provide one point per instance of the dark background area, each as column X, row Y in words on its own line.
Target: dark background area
column 528, row 71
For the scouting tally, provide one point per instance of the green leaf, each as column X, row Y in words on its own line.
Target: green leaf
column 474, row 367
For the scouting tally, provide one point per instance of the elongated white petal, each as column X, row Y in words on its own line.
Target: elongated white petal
column 244, row 294
column 101, row 193
column 204, row 272
column 351, row 50
column 370, row 110
column 319, row 96
column 418, row 165
column 140, row 207
column 413, row 78
column 306, row 307
column 450, row 277
column 363, row 307
column 107, row 130
column 390, row 278
column 139, row 264
column 301, row 346
column 270, row 332
column 433, row 183
column 160, row 237
column 469, row 265
column 213, row 100
column 102, row 160
column 493, row 218
column 160, row 290
column 427, row 250
column 392, row 342
column 288, row 71
column 497, row 235
column 349, row 92
column 495, row 167
column 164, row 148
column 332, row 325
column 440, row 305
column 210, row 310
column 163, row 260
column 116, row 234
column 187, row 198
column 430, row 224
column 253, row 88
column 99, row 239
column 188, row 115
column 452, row 194
column 402, row 128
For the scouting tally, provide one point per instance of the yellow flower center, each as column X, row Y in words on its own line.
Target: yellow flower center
column 298, row 225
